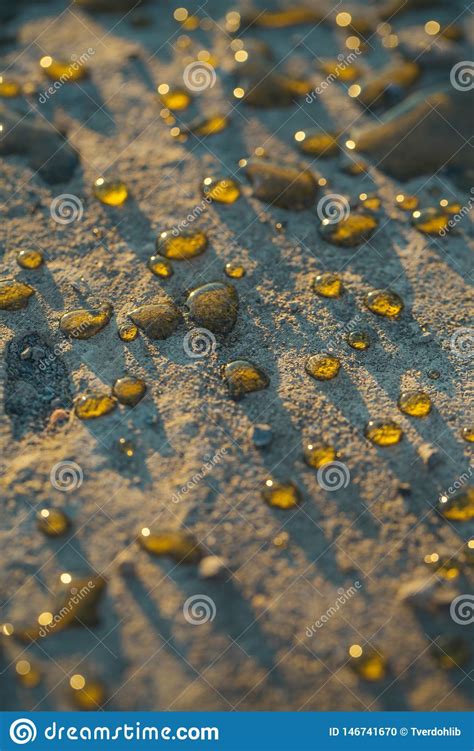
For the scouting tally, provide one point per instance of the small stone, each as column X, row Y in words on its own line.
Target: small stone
column 282, row 186
column 262, row 435
column 429, row 455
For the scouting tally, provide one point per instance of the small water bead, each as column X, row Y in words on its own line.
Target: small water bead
column 63, row 70
column 180, row 546
column 352, row 230
column 214, row 306
column 359, row 340
column 14, row 295
column 415, row 403
column 283, row 186
column 53, row 522
column 328, row 285
column 344, row 75
column 129, row 390
column 209, row 126
column 282, row 19
column 30, row 259
column 468, row 434
column 432, row 221
column 283, row 495
column 450, row 652
column 28, row 675
column 316, row 455
column 243, row 377
column 110, row 190
column 317, row 143
column 266, row 88
column 160, row 266
column 384, row 302
column 222, row 190
column 83, row 323
column 9, row 88
column 383, row 432
column 407, row 203
column 370, row 201
column 126, row 447
column 174, row 99
column 234, row 271
column 354, row 168
column 447, row 567
column 87, row 694
column 128, row 332
column 157, row 320
column 179, row 246
column 323, row 367
column 458, row 507
column 93, row 405
column 367, row 662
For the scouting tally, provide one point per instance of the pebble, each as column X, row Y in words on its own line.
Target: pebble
column 262, row 435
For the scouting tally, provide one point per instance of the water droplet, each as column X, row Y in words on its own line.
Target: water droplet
column 157, row 320
column 222, row 190
column 415, row 403
column 352, row 230
column 328, row 285
column 234, row 271
column 90, row 406
column 367, row 662
column 128, row 332
column 129, row 390
column 450, row 652
column 358, row 339
column 317, row 143
column 181, row 246
column 64, row 71
column 28, row 675
column 344, row 74
column 110, row 190
column 243, row 377
column 383, row 432
column 370, row 201
column 83, row 324
column 30, row 259
column 458, row 507
column 9, row 88
column 264, row 87
column 384, row 302
column 208, row 126
column 282, row 19
column 353, row 168
column 214, row 306
column 468, row 434
column 286, row 187
column 407, row 203
column 53, row 522
column 87, row 694
column 160, row 266
column 323, row 367
column 316, row 455
column 176, row 100
column 283, row 495
column 432, row 221
column 181, row 546
column 14, row 295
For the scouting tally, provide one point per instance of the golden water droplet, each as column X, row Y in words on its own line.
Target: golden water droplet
column 234, row 270
column 7, row 629
column 128, row 332
column 243, row 377
column 181, row 546
column 367, row 663
column 214, row 306
column 209, row 126
column 323, row 367
column 317, row 143
column 286, row 187
column 468, row 434
column 174, row 99
column 450, row 652
column 350, row 231
column 63, row 70
column 281, row 540
column 355, row 168
column 129, row 390
column 432, row 221
column 328, row 285
column 90, row 406
column 14, row 295
column 45, row 619
column 53, row 522
column 126, row 447
column 157, row 320
column 415, row 403
column 459, row 507
column 407, row 203
column 87, row 694
column 316, row 455
column 344, row 75
column 354, row 90
column 224, row 190
column 283, row 19
column 283, row 495
column 370, row 201
column 384, row 302
column 445, row 566
column 343, row 19
column 432, row 28
column 9, row 88
column 383, row 432
column 179, row 246
column 110, row 190
column 160, row 266
column 83, row 323
column 28, row 675
column 30, row 259
column 358, row 339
